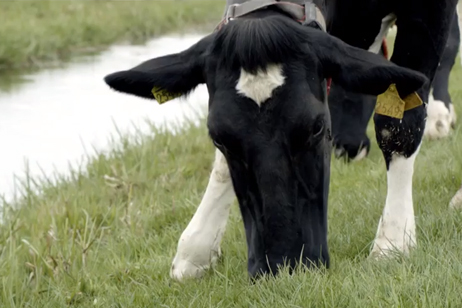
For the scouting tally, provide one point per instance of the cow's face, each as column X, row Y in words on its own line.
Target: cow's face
column 268, row 116
column 350, row 113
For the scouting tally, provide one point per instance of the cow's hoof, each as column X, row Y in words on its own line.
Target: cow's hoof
column 456, row 201
column 384, row 248
column 192, row 263
column 392, row 240
column 184, row 269
column 439, row 120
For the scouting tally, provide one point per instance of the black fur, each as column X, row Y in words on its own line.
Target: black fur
column 279, row 154
column 260, row 41
column 351, row 112
column 176, row 73
column 441, row 82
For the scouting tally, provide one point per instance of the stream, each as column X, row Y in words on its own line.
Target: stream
column 59, row 116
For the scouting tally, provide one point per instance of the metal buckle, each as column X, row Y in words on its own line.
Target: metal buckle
column 231, row 8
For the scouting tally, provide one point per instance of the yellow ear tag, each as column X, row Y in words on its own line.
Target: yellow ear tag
column 390, row 103
column 412, row 100
column 163, row 96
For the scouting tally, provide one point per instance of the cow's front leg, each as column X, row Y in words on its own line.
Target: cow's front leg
column 400, row 144
column 441, row 114
column 419, row 45
column 199, row 244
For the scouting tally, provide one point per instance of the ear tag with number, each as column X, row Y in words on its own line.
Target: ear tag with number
column 162, row 95
column 390, row 103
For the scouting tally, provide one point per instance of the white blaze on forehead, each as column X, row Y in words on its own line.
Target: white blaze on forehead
column 259, row 87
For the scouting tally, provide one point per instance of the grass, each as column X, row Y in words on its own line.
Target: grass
column 105, row 236
column 37, row 33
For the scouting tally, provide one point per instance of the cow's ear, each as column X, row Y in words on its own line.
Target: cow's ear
column 165, row 77
column 358, row 70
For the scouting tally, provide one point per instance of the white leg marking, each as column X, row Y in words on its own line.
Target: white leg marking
column 438, row 119
column 396, row 230
column 456, row 201
column 259, row 87
column 452, row 115
column 199, row 244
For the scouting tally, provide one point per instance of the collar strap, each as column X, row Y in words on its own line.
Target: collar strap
column 308, row 14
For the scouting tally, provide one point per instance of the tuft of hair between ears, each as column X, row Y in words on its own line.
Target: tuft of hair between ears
column 252, row 43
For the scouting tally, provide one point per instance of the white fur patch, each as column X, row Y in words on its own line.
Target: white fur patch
column 396, row 230
column 456, row 201
column 387, row 21
column 438, row 119
column 259, row 87
column 199, row 244
column 362, row 154
column 452, row 114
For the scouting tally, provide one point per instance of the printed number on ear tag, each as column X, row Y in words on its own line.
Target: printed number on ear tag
column 162, row 95
column 390, row 104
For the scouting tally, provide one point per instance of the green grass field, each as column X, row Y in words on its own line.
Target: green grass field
column 37, row 33
column 105, row 237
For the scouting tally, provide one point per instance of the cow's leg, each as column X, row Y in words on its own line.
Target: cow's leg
column 441, row 115
column 419, row 45
column 456, row 201
column 459, row 13
column 199, row 244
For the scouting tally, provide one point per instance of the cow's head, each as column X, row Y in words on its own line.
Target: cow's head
column 350, row 113
column 268, row 115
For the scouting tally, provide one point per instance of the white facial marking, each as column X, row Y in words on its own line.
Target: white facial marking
column 259, row 87
column 396, row 230
column 199, row 244
column 438, row 119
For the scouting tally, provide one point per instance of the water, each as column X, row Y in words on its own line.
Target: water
column 61, row 114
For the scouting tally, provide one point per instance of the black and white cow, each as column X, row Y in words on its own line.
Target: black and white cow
column 268, row 117
column 351, row 112
column 441, row 114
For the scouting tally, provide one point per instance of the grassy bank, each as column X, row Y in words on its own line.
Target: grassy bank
column 36, row 32
column 106, row 239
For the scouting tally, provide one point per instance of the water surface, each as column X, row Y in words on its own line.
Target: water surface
column 59, row 115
